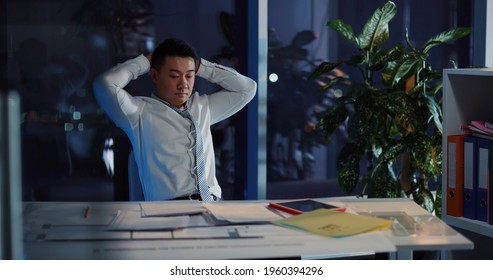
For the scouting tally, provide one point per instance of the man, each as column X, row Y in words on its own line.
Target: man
column 169, row 129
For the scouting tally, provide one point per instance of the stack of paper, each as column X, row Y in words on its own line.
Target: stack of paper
column 161, row 216
column 480, row 129
column 132, row 220
column 330, row 223
column 242, row 212
column 163, row 209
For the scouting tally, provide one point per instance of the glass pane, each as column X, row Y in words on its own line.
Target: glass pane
column 301, row 162
column 70, row 149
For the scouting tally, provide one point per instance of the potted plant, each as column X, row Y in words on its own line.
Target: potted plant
column 392, row 112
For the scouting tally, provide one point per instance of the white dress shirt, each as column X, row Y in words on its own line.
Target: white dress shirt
column 162, row 139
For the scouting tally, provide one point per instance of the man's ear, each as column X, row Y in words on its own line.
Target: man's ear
column 154, row 75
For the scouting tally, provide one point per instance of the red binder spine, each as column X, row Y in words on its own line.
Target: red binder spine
column 455, row 175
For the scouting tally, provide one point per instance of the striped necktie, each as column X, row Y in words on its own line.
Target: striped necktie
column 200, row 162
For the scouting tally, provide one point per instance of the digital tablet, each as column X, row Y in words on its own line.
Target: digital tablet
column 296, row 207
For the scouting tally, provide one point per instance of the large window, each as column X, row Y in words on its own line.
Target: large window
column 302, row 163
column 71, row 151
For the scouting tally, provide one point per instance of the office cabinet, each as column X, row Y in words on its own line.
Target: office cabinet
column 467, row 96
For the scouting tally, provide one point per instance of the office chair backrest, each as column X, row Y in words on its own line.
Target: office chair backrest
column 134, row 185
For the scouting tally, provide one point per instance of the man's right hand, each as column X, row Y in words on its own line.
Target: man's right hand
column 149, row 57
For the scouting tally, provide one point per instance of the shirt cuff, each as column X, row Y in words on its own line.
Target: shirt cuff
column 206, row 69
column 144, row 63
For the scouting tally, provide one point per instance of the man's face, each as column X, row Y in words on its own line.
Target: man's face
column 175, row 80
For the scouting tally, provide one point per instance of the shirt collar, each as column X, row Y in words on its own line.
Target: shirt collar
column 181, row 109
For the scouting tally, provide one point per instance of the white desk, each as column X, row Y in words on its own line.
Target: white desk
column 430, row 232
column 90, row 240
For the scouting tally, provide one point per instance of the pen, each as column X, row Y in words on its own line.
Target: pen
column 86, row 213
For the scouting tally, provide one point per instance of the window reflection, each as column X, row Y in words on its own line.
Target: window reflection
column 301, row 163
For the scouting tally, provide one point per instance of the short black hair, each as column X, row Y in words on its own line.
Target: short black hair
column 172, row 47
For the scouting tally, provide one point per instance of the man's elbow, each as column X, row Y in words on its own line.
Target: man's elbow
column 102, row 88
column 102, row 83
column 252, row 89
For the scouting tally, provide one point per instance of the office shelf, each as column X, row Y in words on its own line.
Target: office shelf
column 467, row 96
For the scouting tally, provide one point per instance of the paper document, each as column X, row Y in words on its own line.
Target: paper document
column 150, row 209
column 85, row 233
column 330, row 223
column 132, row 220
column 225, row 232
column 71, row 214
column 242, row 212
column 402, row 223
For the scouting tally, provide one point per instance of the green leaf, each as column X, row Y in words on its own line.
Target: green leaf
column 376, row 66
column 394, row 59
column 358, row 127
column 388, row 73
column 446, row 36
column 363, row 123
column 348, row 166
column 453, row 64
column 355, row 90
column 420, row 147
column 435, row 111
column 333, row 118
column 344, row 29
column 386, row 56
column 323, row 68
column 407, row 68
column 438, row 202
column 376, row 30
column 393, row 102
column 355, row 60
column 390, row 153
column 331, row 83
column 384, row 183
column 407, row 121
column 426, row 154
column 424, row 198
column 400, row 108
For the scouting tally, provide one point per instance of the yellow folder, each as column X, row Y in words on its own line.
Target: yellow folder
column 331, row 223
